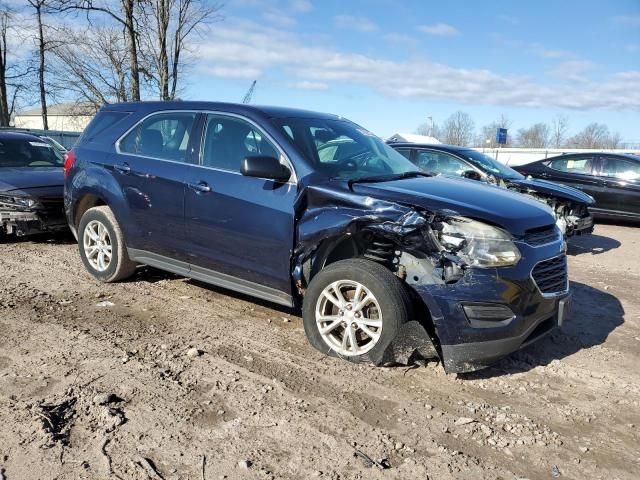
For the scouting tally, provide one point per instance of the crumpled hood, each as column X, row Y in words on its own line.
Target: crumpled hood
column 554, row 189
column 31, row 180
column 512, row 211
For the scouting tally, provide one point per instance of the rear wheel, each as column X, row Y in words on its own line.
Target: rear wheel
column 102, row 246
column 354, row 308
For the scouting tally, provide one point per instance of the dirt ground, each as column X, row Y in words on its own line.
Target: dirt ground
column 162, row 377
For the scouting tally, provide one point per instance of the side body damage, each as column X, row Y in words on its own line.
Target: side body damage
column 333, row 224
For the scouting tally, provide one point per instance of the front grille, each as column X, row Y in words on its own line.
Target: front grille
column 551, row 275
column 542, row 236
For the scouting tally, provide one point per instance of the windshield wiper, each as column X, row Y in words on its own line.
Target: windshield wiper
column 388, row 178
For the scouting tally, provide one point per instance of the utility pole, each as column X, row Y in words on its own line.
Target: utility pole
column 430, row 118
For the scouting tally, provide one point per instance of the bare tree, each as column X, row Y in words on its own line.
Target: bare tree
column 92, row 65
column 536, row 136
column 166, row 26
column 428, row 129
column 488, row 132
column 14, row 70
column 614, row 140
column 559, row 129
column 594, row 135
column 39, row 6
column 123, row 12
column 458, row 129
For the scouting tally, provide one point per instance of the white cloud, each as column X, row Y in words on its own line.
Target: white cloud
column 439, row 29
column 628, row 20
column 573, row 70
column 301, row 6
column 278, row 19
column 233, row 72
column 350, row 22
column 550, row 53
column 307, row 85
column 245, row 49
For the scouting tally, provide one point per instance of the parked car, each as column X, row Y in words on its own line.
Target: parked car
column 54, row 143
column 570, row 206
column 31, row 186
column 388, row 263
column 613, row 180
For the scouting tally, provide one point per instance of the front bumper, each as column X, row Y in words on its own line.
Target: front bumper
column 468, row 344
column 29, row 223
column 581, row 226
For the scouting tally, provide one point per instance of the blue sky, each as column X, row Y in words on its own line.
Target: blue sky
column 390, row 64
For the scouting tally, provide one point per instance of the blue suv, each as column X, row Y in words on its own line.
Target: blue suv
column 305, row 209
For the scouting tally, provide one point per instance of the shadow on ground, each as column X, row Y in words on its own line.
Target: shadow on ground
column 593, row 244
column 594, row 315
column 63, row 238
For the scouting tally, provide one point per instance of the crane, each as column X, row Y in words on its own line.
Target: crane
column 249, row 94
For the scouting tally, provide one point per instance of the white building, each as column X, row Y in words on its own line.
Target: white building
column 412, row 138
column 71, row 117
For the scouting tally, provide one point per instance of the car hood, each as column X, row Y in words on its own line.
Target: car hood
column 31, row 180
column 512, row 211
column 554, row 189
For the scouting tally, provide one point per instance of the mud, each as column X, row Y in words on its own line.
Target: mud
column 162, row 377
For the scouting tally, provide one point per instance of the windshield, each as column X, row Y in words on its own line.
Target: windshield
column 343, row 150
column 28, row 153
column 489, row 165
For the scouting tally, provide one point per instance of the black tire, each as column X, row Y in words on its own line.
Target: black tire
column 389, row 291
column 120, row 266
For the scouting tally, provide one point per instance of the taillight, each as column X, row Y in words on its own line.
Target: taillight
column 69, row 157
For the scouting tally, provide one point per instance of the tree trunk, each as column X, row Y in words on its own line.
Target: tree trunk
column 4, row 101
column 41, row 48
column 133, row 48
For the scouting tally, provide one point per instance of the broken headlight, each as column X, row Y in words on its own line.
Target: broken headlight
column 478, row 244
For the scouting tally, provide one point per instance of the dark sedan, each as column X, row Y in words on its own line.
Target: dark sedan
column 613, row 180
column 570, row 206
column 31, row 186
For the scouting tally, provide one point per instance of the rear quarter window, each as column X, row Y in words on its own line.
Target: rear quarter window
column 102, row 121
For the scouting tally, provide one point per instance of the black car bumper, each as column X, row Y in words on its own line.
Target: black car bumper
column 491, row 313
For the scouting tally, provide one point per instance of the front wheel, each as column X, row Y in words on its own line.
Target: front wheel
column 354, row 308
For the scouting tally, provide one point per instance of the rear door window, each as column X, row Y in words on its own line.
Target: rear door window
column 440, row 162
column 581, row 165
column 164, row 136
column 621, row 168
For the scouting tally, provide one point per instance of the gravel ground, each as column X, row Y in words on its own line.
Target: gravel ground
column 163, row 377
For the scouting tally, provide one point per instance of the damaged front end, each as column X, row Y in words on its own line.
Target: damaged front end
column 22, row 215
column 449, row 264
column 572, row 217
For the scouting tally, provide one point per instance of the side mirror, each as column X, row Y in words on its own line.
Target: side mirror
column 472, row 175
column 265, row 167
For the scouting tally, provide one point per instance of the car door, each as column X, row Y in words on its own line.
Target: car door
column 439, row 162
column 578, row 171
column 621, row 178
column 149, row 167
column 240, row 229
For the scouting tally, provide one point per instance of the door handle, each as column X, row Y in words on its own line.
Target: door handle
column 200, row 187
column 124, row 168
